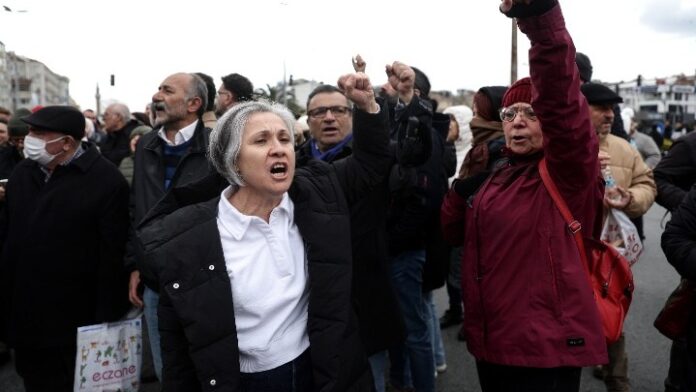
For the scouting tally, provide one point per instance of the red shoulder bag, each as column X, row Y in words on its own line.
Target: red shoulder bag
column 608, row 272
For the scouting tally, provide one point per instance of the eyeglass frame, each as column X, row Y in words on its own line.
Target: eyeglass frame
column 337, row 111
column 527, row 110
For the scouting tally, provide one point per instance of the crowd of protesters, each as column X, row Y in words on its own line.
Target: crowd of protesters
column 270, row 254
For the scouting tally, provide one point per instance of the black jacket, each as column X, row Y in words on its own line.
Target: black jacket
column 416, row 196
column 9, row 158
column 676, row 172
column 116, row 145
column 196, row 319
column 437, row 251
column 147, row 187
column 678, row 243
column 63, row 245
column 679, row 237
column 380, row 322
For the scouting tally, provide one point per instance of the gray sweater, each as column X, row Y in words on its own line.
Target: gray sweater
column 647, row 148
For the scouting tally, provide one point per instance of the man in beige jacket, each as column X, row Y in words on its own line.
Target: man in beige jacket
column 633, row 194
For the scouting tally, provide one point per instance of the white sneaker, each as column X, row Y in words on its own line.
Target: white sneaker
column 441, row 368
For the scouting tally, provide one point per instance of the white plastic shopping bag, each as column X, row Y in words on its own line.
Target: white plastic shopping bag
column 620, row 232
column 109, row 357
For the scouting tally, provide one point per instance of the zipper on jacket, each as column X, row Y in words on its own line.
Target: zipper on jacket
column 607, row 282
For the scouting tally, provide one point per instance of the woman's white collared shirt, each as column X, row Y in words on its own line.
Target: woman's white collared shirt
column 267, row 267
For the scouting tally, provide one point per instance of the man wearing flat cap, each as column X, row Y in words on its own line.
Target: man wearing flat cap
column 634, row 194
column 63, row 233
column 585, row 68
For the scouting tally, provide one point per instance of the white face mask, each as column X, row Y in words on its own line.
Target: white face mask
column 35, row 149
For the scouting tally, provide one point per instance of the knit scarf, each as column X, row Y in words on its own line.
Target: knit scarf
column 483, row 130
column 330, row 154
column 476, row 159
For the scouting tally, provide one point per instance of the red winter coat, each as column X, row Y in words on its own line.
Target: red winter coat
column 526, row 297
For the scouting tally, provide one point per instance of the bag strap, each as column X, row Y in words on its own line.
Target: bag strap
column 574, row 226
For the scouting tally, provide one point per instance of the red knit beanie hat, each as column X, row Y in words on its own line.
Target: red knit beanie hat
column 520, row 91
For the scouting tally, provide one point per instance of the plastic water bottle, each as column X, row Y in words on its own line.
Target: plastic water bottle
column 610, row 184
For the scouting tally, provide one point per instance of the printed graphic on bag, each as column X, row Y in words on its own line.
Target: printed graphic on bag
column 621, row 233
column 109, row 357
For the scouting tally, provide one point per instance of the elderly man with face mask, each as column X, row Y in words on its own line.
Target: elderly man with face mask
column 63, row 234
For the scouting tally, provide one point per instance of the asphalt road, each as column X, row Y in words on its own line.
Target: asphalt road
column 648, row 351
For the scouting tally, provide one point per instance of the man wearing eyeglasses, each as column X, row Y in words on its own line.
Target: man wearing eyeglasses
column 235, row 88
column 118, row 125
column 331, row 121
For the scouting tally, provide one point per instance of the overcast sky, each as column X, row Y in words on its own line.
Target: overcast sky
column 458, row 43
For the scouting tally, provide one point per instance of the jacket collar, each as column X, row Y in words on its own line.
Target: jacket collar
column 199, row 141
column 125, row 129
column 235, row 222
column 87, row 158
column 303, row 153
column 521, row 159
column 207, row 189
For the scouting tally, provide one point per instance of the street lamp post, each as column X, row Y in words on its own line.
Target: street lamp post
column 97, row 97
column 513, row 53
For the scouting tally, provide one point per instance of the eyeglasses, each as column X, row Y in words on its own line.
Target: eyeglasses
column 508, row 114
column 320, row 112
column 224, row 92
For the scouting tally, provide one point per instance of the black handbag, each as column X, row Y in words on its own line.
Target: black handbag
column 674, row 317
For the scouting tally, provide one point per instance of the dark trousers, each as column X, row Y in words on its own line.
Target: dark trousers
column 47, row 369
column 455, row 299
column 638, row 222
column 678, row 359
column 454, row 279
column 501, row 378
column 689, row 382
column 294, row 376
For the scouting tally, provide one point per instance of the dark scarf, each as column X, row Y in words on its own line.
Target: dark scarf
column 477, row 158
column 484, row 131
column 330, row 154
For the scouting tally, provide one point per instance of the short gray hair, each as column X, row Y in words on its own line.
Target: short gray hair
column 226, row 137
column 197, row 88
column 121, row 110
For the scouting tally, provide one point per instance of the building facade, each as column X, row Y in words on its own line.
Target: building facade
column 25, row 83
column 672, row 99
column 5, row 97
column 301, row 89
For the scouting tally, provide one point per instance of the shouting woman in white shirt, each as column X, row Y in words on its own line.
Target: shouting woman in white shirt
column 255, row 280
